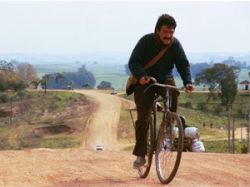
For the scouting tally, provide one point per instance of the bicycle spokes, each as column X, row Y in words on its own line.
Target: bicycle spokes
column 169, row 148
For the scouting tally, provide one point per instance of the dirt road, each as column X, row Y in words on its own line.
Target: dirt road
column 102, row 128
column 85, row 167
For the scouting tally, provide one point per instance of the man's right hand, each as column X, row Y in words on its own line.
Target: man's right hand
column 144, row 80
column 189, row 88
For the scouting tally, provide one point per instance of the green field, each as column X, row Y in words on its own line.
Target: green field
column 103, row 72
column 114, row 73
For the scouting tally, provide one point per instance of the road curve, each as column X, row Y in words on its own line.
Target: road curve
column 103, row 123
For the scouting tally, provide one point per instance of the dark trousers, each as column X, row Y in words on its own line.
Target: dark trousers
column 144, row 104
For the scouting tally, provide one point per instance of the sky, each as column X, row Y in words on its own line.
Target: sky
column 108, row 26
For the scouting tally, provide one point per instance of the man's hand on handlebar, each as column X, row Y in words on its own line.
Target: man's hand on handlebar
column 144, row 80
column 189, row 88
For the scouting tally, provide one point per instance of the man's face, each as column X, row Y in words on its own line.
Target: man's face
column 166, row 34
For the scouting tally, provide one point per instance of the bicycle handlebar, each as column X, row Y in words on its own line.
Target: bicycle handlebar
column 161, row 85
column 155, row 83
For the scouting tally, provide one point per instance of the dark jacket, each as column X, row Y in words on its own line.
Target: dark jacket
column 147, row 48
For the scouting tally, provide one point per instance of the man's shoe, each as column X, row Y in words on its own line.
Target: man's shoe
column 139, row 162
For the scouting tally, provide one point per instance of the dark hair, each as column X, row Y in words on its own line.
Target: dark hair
column 165, row 19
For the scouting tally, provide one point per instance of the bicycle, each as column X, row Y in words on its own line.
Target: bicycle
column 168, row 145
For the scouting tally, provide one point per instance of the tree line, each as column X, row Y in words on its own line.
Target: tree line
column 15, row 77
column 199, row 67
column 19, row 76
column 69, row 80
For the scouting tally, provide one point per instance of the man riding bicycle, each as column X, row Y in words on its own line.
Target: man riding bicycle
column 145, row 50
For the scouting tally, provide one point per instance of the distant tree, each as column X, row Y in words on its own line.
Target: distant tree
column 80, row 78
column 9, row 79
column 104, row 85
column 60, row 79
column 87, row 86
column 16, row 84
column 86, row 77
column 221, row 77
column 6, row 66
column 228, row 85
column 26, row 72
column 36, row 82
column 208, row 77
column 227, row 78
column 44, row 82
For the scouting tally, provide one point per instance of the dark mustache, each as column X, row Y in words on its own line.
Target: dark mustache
column 166, row 38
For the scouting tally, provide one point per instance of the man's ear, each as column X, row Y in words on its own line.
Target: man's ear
column 157, row 31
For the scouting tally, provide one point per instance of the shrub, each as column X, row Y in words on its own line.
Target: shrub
column 104, row 85
column 202, row 106
column 4, row 143
column 188, row 105
column 4, row 98
column 243, row 148
column 218, row 109
column 57, row 98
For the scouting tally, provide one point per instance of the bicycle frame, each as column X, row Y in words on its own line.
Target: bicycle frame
column 166, row 103
column 157, row 141
column 165, row 111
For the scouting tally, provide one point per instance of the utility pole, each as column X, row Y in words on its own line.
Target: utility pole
column 233, row 137
column 241, row 132
column 248, row 128
column 11, row 110
column 228, row 128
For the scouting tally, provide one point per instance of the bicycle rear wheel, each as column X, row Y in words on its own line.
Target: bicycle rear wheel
column 169, row 148
column 144, row 170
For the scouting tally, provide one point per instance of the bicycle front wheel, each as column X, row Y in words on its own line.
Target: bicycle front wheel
column 169, row 147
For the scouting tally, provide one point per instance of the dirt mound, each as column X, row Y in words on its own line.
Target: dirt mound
column 57, row 129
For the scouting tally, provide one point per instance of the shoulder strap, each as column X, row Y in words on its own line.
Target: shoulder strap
column 157, row 57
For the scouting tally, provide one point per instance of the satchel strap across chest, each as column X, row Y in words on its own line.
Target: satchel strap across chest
column 157, row 57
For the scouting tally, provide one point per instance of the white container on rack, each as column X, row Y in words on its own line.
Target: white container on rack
column 191, row 132
column 197, row 146
column 175, row 132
